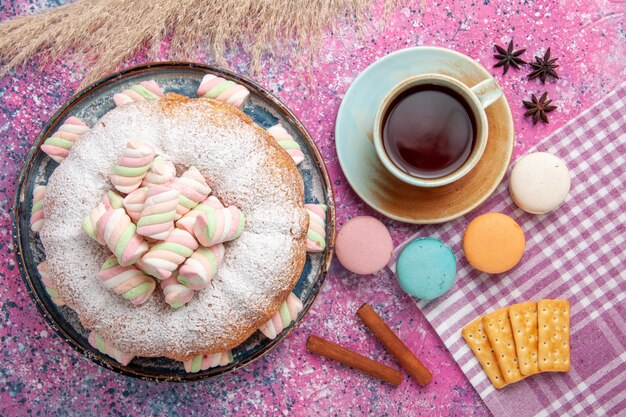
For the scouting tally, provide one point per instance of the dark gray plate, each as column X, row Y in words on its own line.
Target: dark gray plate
column 91, row 104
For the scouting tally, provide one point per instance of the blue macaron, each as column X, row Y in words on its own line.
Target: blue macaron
column 426, row 268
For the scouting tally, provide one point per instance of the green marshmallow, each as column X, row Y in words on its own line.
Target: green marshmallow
column 130, row 171
column 156, row 218
column 88, row 228
column 183, row 280
column 196, row 363
column 211, row 226
column 115, row 199
column 219, row 89
column 127, row 235
column 110, row 263
column 58, row 142
column 144, row 92
column 52, row 292
column 289, row 144
column 176, row 248
column 317, row 238
column 242, row 224
column 186, row 202
column 137, row 291
column 285, row 317
column 37, row 206
column 101, row 344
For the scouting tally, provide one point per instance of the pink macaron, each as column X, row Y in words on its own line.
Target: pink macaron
column 364, row 245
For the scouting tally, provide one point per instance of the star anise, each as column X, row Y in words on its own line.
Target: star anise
column 538, row 109
column 543, row 67
column 509, row 57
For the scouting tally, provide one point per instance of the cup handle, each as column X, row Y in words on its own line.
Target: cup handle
column 487, row 91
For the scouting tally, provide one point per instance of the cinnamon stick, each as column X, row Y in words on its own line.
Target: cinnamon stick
column 352, row 359
column 394, row 345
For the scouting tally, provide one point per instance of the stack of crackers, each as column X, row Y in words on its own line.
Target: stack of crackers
column 521, row 340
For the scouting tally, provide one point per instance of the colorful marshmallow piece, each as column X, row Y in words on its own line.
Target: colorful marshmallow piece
column 216, row 359
column 134, row 202
column 219, row 225
column 145, row 90
column 142, row 267
column 50, row 289
column 193, row 190
column 97, row 342
column 316, row 234
column 59, row 144
column 113, row 200
column 285, row 315
column 200, row 268
column 120, row 235
column 188, row 221
column 128, row 281
column 132, row 166
column 204, row 362
column 90, row 223
column 176, row 294
column 165, row 257
column 161, row 172
column 287, row 142
column 157, row 217
column 36, row 212
column 220, row 89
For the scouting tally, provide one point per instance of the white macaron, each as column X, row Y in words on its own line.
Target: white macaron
column 539, row 182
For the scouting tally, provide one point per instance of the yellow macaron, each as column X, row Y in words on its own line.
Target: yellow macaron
column 493, row 243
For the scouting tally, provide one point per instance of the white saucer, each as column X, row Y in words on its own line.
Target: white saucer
column 367, row 175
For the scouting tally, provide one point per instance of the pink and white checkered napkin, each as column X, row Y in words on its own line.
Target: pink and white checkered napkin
column 578, row 253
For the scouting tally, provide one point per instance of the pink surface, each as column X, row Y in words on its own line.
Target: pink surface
column 41, row 373
column 363, row 245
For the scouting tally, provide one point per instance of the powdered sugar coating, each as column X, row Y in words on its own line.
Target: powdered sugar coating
column 243, row 166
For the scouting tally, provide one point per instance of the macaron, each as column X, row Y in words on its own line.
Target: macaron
column 364, row 245
column 539, row 182
column 493, row 243
column 426, row 268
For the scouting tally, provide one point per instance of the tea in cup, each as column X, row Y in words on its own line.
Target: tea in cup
column 431, row 130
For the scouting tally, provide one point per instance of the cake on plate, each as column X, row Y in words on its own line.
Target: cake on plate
column 176, row 227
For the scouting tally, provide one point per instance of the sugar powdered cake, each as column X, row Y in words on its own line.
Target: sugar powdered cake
column 243, row 166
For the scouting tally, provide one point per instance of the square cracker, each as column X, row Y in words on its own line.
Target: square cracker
column 498, row 329
column 474, row 335
column 553, row 320
column 524, row 325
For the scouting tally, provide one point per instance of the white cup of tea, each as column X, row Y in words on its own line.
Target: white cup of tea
column 431, row 130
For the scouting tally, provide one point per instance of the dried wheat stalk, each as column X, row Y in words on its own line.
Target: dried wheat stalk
column 105, row 33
